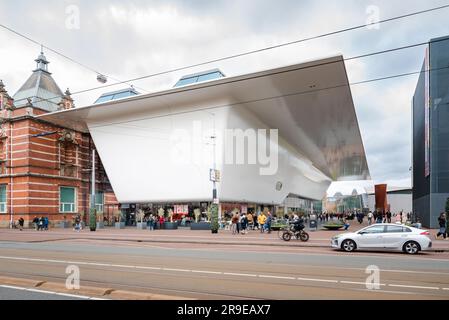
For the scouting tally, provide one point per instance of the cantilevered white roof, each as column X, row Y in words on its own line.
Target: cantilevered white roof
column 310, row 103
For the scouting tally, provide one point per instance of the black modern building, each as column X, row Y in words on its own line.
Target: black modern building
column 431, row 134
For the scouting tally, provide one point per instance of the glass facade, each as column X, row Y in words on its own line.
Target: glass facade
column 431, row 134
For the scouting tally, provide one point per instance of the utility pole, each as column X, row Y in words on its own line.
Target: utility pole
column 92, row 196
column 214, row 181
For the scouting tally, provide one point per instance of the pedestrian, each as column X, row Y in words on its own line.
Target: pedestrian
column 250, row 221
column 244, row 223
column 235, row 223
column 268, row 222
column 261, row 219
column 21, row 222
column 40, row 225
column 256, row 224
column 389, row 216
column 36, row 223
column 442, row 224
column 370, row 217
column 161, row 222
column 45, row 223
column 76, row 223
column 151, row 221
column 378, row 217
column 346, row 224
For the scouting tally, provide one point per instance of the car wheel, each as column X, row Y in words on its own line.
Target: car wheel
column 411, row 247
column 348, row 245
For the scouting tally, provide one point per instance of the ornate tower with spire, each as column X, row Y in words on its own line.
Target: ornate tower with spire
column 40, row 90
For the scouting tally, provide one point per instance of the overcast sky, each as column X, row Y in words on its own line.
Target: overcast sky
column 126, row 39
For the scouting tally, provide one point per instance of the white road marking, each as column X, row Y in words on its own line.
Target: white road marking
column 318, row 280
column 276, row 277
column 240, row 274
column 177, row 270
column 207, row 272
column 148, row 268
column 361, row 283
column 50, row 292
column 413, row 287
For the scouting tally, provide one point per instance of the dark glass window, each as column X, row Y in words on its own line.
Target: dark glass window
column 395, row 229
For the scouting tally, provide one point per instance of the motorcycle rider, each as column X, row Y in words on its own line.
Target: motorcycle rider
column 298, row 223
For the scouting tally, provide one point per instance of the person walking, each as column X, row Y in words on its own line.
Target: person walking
column 268, row 222
column 235, row 223
column 21, row 222
column 389, row 216
column 442, row 225
column 244, row 223
column 45, row 223
column 378, row 217
column 370, row 217
column 161, row 222
column 346, row 224
column 77, row 222
column 150, row 222
column 261, row 219
column 250, row 221
column 36, row 223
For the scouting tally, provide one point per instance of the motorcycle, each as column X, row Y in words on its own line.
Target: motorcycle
column 296, row 230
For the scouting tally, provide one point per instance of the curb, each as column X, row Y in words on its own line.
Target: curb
column 96, row 292
column 287, row 245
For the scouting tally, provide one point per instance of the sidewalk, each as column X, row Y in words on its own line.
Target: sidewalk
column 320, row 238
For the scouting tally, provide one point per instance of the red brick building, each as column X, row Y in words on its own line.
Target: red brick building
column 45, row 170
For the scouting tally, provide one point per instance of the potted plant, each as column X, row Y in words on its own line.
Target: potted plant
column 119, row 219
column 213, row 213
column 139, row 220
column 333, row 225
column 199, row 225
column 100, row 220
column 93, row 219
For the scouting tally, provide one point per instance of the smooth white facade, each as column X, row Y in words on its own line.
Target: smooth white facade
column 158, row 147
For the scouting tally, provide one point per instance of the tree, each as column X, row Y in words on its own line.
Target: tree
column 214, row 218
column 447, row 205
column 93, row 219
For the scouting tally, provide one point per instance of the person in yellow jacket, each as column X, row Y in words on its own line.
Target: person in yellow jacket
column 261, row 220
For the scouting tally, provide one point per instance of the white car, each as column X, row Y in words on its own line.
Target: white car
column 384, row 236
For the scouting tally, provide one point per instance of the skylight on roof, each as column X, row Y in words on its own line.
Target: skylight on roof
column 116, row 95
column 200, row 77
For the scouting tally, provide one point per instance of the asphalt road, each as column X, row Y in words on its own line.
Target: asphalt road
column 229, row 272
column 9, row 293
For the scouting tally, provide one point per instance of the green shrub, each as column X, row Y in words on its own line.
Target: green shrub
column 93, row 219
column 214, row 218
